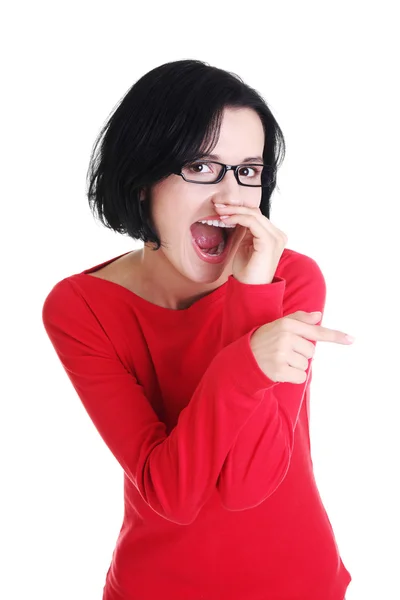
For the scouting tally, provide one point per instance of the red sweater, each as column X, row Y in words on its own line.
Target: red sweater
column 220, row 500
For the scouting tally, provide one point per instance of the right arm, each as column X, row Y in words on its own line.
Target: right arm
column 175, row 474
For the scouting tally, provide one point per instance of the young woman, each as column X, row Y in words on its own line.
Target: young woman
column 192, row 355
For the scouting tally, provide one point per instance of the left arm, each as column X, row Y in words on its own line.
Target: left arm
column 260, row 457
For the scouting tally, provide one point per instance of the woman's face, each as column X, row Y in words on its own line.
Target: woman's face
column 177, row 204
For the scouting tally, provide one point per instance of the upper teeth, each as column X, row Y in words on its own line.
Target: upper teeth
column 216, row 223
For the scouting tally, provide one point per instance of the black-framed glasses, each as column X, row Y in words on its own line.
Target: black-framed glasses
column 209, row 172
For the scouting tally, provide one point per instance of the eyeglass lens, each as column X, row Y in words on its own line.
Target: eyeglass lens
column 208, row 172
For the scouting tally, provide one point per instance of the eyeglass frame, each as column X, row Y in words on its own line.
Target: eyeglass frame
column 224, row 171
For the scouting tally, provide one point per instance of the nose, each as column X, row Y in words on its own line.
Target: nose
column 228, row 191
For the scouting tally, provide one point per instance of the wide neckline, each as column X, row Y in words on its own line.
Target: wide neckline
column 146, row 304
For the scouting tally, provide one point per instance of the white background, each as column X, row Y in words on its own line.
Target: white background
column 330, row 74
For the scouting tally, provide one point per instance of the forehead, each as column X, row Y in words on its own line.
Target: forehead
column 241, row 134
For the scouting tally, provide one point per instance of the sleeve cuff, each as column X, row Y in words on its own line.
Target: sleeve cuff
column 244, row 368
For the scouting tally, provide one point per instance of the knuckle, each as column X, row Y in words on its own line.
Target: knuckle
column 285, row 323
column 280, row 355
column 282, row 332
column 284, row 340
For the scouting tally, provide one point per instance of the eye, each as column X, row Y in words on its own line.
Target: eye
column 199, row 168
column 247, row 171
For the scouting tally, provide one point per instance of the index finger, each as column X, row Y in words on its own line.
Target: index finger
column 324, row 334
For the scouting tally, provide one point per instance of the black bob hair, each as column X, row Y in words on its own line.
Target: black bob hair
column 169, row 117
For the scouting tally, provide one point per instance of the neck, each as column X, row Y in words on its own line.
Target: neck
column 164, row 285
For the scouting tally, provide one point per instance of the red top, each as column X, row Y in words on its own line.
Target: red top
column 220, row 500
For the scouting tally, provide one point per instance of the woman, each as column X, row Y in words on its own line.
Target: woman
column 192, row 355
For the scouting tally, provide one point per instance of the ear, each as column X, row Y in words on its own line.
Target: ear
column 142, row 194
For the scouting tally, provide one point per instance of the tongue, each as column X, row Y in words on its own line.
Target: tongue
column 206, row 236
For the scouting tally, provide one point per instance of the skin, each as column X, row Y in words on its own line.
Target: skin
column 174, row 276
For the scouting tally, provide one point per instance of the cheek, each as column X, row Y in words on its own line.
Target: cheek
column 169, row 217
column 160, row 204
column 256, row 199
column 176, row 205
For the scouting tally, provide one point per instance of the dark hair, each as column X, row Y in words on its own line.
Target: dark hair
column 170, row 116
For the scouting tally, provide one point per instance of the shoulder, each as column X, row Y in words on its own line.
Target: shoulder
column 63, row 299
column 293, row 261
column 300, row 269
column 305, row 286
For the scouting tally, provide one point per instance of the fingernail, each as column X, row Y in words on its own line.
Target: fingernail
column 350, row 338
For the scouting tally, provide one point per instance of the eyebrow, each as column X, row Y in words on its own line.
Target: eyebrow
column 248, row 159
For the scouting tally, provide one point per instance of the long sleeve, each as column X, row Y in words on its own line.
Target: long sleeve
column 175, row 474
column 259, row 459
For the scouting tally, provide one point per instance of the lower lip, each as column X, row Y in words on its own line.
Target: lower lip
column 214, row 259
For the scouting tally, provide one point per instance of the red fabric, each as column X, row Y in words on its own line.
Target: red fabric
column 219, row 492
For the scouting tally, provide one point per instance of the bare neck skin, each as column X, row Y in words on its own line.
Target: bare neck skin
column 158, row 282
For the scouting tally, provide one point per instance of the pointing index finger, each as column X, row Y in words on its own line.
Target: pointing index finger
column 324, row 334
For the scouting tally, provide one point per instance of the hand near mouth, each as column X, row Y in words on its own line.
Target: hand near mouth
column 260, row 247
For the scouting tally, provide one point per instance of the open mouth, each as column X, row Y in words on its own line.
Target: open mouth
column 211, row 239
column 219, row 248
